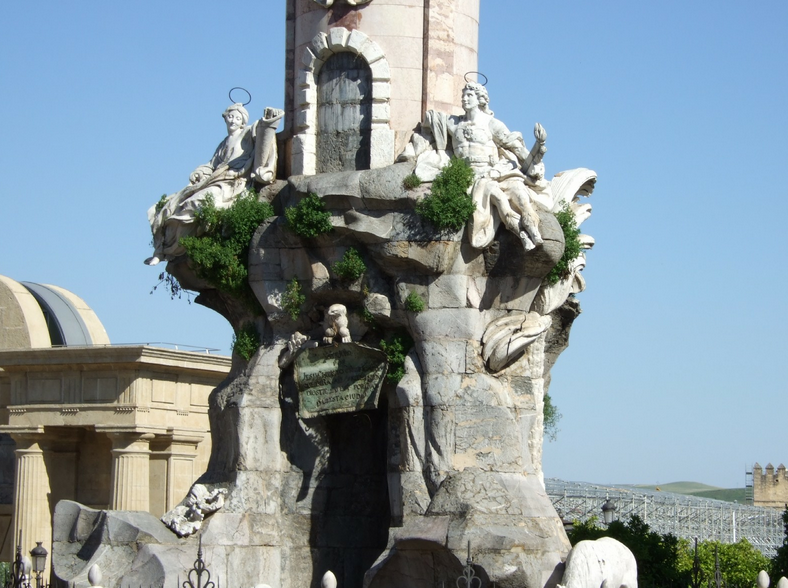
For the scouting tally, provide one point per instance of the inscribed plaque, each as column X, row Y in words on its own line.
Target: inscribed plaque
column 338, row 378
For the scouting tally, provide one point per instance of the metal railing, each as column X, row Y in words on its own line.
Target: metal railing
column 665, row 512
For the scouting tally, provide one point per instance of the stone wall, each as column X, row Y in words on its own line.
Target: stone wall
column 419, row 52
column 770, row 486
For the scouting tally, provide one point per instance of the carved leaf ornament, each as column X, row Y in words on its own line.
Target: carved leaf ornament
column 330, row 3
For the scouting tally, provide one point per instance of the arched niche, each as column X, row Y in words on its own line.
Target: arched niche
column 344, row 113
column 363, row 50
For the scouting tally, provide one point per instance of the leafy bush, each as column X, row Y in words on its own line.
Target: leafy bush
column 414, row 303
column 551, row 418
column 292, row 299
column 351, row 268
column 739, row 562
column 161, row 203
column 448, row 205
column 369, row 319
column 246, row 341
column 572, row 248
column 396, row 350
column 411, row 181
column 220, row 254
column 309, row 218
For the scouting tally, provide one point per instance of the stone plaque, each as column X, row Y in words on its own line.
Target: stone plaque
column 344, row 377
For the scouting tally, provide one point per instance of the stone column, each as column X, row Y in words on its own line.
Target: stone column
column 31, row 493
column 130, row 470
column 180, row 455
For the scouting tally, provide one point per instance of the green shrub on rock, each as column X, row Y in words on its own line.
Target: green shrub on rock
column 309, row 218
column 220, row 254
column 293, row 300
column 396, row 350
column 448, row 206
column 246, row 341
column 351, row 267
column 411, row 181
column 572, row 246
column 414, row 303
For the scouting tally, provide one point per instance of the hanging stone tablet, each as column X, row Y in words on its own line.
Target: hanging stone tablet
column 339, row 378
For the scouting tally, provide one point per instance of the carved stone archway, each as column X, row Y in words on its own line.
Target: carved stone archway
column 323, row 46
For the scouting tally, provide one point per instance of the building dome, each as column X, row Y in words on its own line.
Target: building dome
column 41, row 315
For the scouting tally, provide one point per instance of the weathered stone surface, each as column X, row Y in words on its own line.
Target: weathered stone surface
column 452, row 452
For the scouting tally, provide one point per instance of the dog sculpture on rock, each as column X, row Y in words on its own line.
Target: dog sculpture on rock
column 604, row 563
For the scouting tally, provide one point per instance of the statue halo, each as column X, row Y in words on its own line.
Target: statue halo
column 478, row 73
column 230, row 95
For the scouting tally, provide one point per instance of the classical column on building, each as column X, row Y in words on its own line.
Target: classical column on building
column 31, row 491
column 181, row 473
column 174, row 468
column 130, row 470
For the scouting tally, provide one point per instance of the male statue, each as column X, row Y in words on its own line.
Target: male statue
column 498, row 158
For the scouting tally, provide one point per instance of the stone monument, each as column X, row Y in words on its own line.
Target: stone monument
column 322, row 463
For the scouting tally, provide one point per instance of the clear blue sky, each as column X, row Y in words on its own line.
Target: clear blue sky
column 676, row 369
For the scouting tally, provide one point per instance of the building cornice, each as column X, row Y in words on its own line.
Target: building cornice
column 112, row 357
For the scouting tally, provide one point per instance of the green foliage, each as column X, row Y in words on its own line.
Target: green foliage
column 292, row 299
column 309, row 218
column 664, row 560
column 739, row 562
column 369, row 319
column 172, row 287
column 411, row 181
column 414, row 303
column 351, row 268
column 160, row 204
column 779, row 563
column 396, row 350
column 246, row 341
column 220, row 254
column 551, row 418
column 657, row 555
column 572, row 248
column 448, row 205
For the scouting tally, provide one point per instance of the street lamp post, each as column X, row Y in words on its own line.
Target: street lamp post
column 609, row 511
column 39, row 557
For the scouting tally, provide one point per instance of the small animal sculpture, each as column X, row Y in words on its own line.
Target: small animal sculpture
column 604, row 563
column 336, row 324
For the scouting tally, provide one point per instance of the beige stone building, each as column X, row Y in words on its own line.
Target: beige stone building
column 770, row 486
column 121, row 427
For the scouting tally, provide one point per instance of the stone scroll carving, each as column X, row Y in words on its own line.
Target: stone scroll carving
column 248, row 154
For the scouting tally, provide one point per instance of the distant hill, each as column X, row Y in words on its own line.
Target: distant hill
column 698, row 489
column 726, row 494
